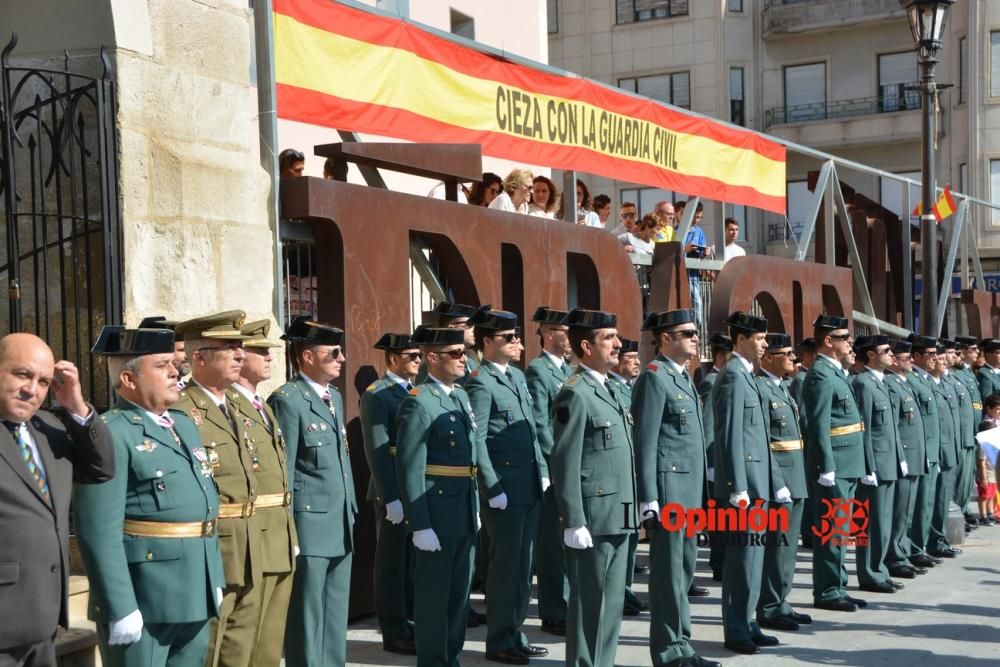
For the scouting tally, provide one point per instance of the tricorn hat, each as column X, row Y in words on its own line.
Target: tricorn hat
column 591, row 319
column 746, row 322
column 438, row 336
column 667, row 319
column 394, row 342
column 304, row 330
column 117, row 341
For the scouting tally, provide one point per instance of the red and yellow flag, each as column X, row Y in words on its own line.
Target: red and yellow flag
column 943, row 207
column 350, row 69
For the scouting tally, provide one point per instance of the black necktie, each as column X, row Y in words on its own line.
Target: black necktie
column 229, row 417
column 408, row 386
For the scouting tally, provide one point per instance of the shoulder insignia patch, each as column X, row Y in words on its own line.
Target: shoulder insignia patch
column 373, row 386
column 414, row 392
column 653, row 366
column 196, row 417
column 474, row 374
column 573, row 380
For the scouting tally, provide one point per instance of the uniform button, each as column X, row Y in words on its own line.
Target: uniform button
column 673, row 467
column 159, row 473
column 440, row 492
column 54, row 568
column 308, row 507
column 608, row 423
column 600, row 492
column 149, row 555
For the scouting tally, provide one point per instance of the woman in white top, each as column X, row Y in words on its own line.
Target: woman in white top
column 640, row 240
column 543, row 198
column 584, row 209
column 516, row 192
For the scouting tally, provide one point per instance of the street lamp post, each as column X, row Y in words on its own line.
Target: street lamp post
column 927, row 19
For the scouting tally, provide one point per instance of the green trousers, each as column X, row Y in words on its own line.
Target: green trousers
column 633, row 546
column 870, row 558
column 779, row 566
column 672, row 559
column 393, row 578
column 903, row 505
column 233, row 635
column 966, row 478
column 441, row 581
column 742, row 570
column 938, row 539
column 550, row 562
column 508, row 582
column 923, row 510
column 161, row 645
column 316, row 633
column 716, row 548
column 596, row 596
column 829, row 566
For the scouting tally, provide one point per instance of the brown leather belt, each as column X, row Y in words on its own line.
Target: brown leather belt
column 137, row 528
column 273, row 500
column 236, row 510
column 786, row 445
column 452, row 471
column 847, row 430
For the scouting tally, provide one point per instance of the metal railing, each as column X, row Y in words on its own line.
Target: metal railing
column 893, row 98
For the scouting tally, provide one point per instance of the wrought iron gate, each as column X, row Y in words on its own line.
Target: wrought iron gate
column 61, row 215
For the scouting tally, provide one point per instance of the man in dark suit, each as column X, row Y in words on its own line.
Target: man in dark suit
column 42, row 454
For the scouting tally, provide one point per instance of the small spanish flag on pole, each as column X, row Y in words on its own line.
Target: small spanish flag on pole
column 943, row 207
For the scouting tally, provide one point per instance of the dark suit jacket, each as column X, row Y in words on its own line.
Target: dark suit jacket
column 34, row 534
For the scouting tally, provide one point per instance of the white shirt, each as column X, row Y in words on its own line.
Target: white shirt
column 539, row 212
column 446, row 388
column 746, row 364
column 502, row 202
column 771, row 376
column 831, row 360
column 732, row 250
column 219, row 402
column 590, row 219
column 600, row 377
column 879, row 375
column 320, row 389
column 437, row 192
column 501, row 367
column 558, row 361
column 620, row 378
column 403, row 382
column 638, row 245
column 676, row 366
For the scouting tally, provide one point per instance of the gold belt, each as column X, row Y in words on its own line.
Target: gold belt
column 977, row 406
column 392, row 450
column 786, row 445
column 273, row 500
column 236, row 510
column 138, row 528
column 452, row 471
column 846, row 430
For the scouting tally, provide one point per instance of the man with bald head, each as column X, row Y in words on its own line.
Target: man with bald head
column 42, row 454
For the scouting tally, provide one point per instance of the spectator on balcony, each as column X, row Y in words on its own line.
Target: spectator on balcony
column 485, row 191
column 440, row 191
column 664, row 211
column 695, row 247
column 627, row 216
column 584, row 207
column 732, row 248
column 602, row 207
column 544, row 198
column 516, row 192
column 640, row 239
column 334, row 170
column 291, row 162
column 678, row 214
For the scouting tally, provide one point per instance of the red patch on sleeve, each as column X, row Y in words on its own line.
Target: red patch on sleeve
column 652, row 366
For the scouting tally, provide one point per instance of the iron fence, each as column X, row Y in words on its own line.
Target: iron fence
column 891, row 98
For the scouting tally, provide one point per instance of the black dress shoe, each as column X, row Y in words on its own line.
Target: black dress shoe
column 746, row 646
column 509, row 657
column 475, row 619
column 801, row 619
column 400, row 646
column 640, row 569
column 533, row 651
column 630, row 610
column 857, row 602
column 679, row 662
column 950, row 552
column 918, row 570
column 903, row 572
column 557, row 628
column 698, row 661
column 842, row 604
column 697, row 592
column 922, row 560
column 881, row 587
column 898, row 585
column 779, row 623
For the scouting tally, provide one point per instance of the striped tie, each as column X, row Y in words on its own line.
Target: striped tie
column 21, row 437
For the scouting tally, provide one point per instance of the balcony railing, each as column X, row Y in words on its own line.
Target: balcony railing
column 895, row 97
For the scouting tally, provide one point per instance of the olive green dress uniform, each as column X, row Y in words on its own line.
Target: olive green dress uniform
column 971, row 413
column 989, row 381
column 785, row 442
column 501, row 404
column 742, row 463
column 393, row 570
column 594, row 478
column 438, row 458
column 923, row 504
column 670, row 468
column 834, row 443
column 274, row 515
column 951, row 431
column 910, row 425
column 545, row 379
column 878, row 410
column 624, row 389
column 716, row 548
column 234, row 634
column 324, row 506
column 163, row 476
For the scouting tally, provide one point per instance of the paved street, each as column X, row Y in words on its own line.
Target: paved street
column 950, row 616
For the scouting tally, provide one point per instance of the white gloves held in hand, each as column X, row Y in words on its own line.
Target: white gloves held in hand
column 546, row 483
column 127, row 630
column 870, row 480
column 218, row 595
column 827, row 478
column 578, row 538
column 426, row 540
column 649, row 510
column 736, row 498
column 710, row 474
column 394, row 512
column 903, row 468
column 783, row 495
column 499, row 502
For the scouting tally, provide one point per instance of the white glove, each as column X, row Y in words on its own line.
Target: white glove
column 870, row 480
column 296, row 551
column 710, row 474
column 647, row 507
column 218, row 595
column 127, row 630
column 499, row 502
column 578, row 538
column 426, row 540
column 394, row 512
column 479, row 522
column 826, row 478
column 903, row 468
column 546, row 483
column 735, row 498
column 783, row 495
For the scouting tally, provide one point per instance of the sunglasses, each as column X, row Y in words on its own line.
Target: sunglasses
column 845, row 336
column 454, row 354
column 629, row 215
column 782, row 354
column 509, row 337
column 685, row 333
column 411, row 356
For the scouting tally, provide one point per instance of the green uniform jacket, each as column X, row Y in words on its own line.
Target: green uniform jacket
column 592, row 460
column 502, row 407
column 434, row 428
column 708, row 414
column 881, row 437
column 742, row 456
column 239, row 538
column 968, row 415
column 783, row 426
column 920, row 382
column 669, row 436
column 829, row 404
column 545, row 379
column 989, row 381
column 951, row 421
column 379, row 406
column 169, row 580
column 909, row 422
column 323, row 500
column 968, row 378
column 267, row 444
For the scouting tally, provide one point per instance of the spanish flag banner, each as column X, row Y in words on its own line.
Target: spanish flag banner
column 350, row 69
column 945, row 206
